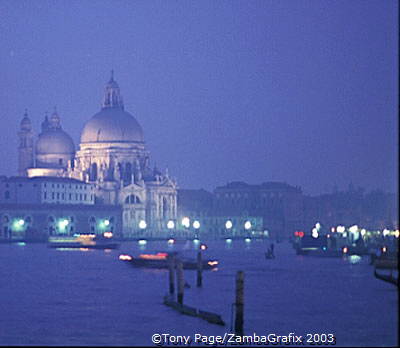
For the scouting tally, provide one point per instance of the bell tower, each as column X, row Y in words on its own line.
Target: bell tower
column 25, row 148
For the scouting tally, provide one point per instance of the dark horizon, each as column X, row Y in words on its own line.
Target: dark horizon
column 303, row 93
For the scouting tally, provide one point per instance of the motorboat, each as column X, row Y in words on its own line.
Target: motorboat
column 83, row 241
column 163, row 260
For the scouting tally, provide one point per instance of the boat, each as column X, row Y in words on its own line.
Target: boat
column 386, row 263
column 320, row 252
column 161, row 260
column 83, row 241
column 387, row 278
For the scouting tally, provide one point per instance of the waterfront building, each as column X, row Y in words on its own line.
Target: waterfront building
column 112, row 157
column 50, row 190
column 199, row 205
column 280, row 205
column 23, row 221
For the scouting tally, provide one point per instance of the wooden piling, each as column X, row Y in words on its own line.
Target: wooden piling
column 171, row 267
column 239, row 303
column 199, row 269
column 180, row 281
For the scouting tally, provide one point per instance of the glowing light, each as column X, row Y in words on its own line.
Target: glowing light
column 353, row 229
column 228, row 240
column 247, row 225
column 228, row 224
column 363, row 232
column 384, row 249
column 318, row 226
column 340, row 229
column 354, row 259
column 158, row 256
column 385, row 232
column 301, row 234
column 396, row 233
column 21, row 222
column 333, row 229
column 344, row 234
column 107, row 234
column 170, row 224
column 296, row 233
column 314, row 233
column 62, row 224
column 247, row 240
column 196, row 224
column 142, row 241
column 171, row 241
column 196, row 241
column 328, row 236
column 186, row 222
column 142, row 224
column 212, row 263
column 345, row 250
column 106, row 222
column 125, row 257
column 203, row 247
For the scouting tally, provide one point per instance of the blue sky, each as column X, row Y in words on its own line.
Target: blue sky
column 299, row 91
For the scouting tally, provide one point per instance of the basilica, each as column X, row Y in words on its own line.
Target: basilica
column 112, row 157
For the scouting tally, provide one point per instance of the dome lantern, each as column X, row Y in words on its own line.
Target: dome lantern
column 112, row 96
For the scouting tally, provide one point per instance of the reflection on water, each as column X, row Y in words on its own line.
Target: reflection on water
column 93, row 298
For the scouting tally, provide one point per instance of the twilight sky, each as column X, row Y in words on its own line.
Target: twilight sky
column 304, row 92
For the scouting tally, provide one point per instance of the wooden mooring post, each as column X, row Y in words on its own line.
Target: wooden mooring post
column 171, row 267
column 180, row 280
column 239, row 303
column 199, row 269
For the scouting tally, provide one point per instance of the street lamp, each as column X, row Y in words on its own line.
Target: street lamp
column 186, row 222
column 171, row 226
column 228, row 227
column 196, row 226
column 142, row 224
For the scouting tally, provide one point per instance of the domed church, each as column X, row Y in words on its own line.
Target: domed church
column 112, row 155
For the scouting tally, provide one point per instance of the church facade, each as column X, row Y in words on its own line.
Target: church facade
column 112, row 156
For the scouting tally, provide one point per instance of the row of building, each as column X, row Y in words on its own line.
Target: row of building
column 107, row 184
column 38, row 207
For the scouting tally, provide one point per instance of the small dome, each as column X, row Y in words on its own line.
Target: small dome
column 26, row 124
column 112, row 125
column 54, row 141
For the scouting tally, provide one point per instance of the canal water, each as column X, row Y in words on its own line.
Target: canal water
column 71, row 297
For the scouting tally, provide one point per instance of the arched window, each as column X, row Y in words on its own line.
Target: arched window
column 93, row 172
column 132, row 199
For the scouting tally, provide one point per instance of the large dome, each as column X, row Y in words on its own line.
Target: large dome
column 112, row 124
column 54, row 141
